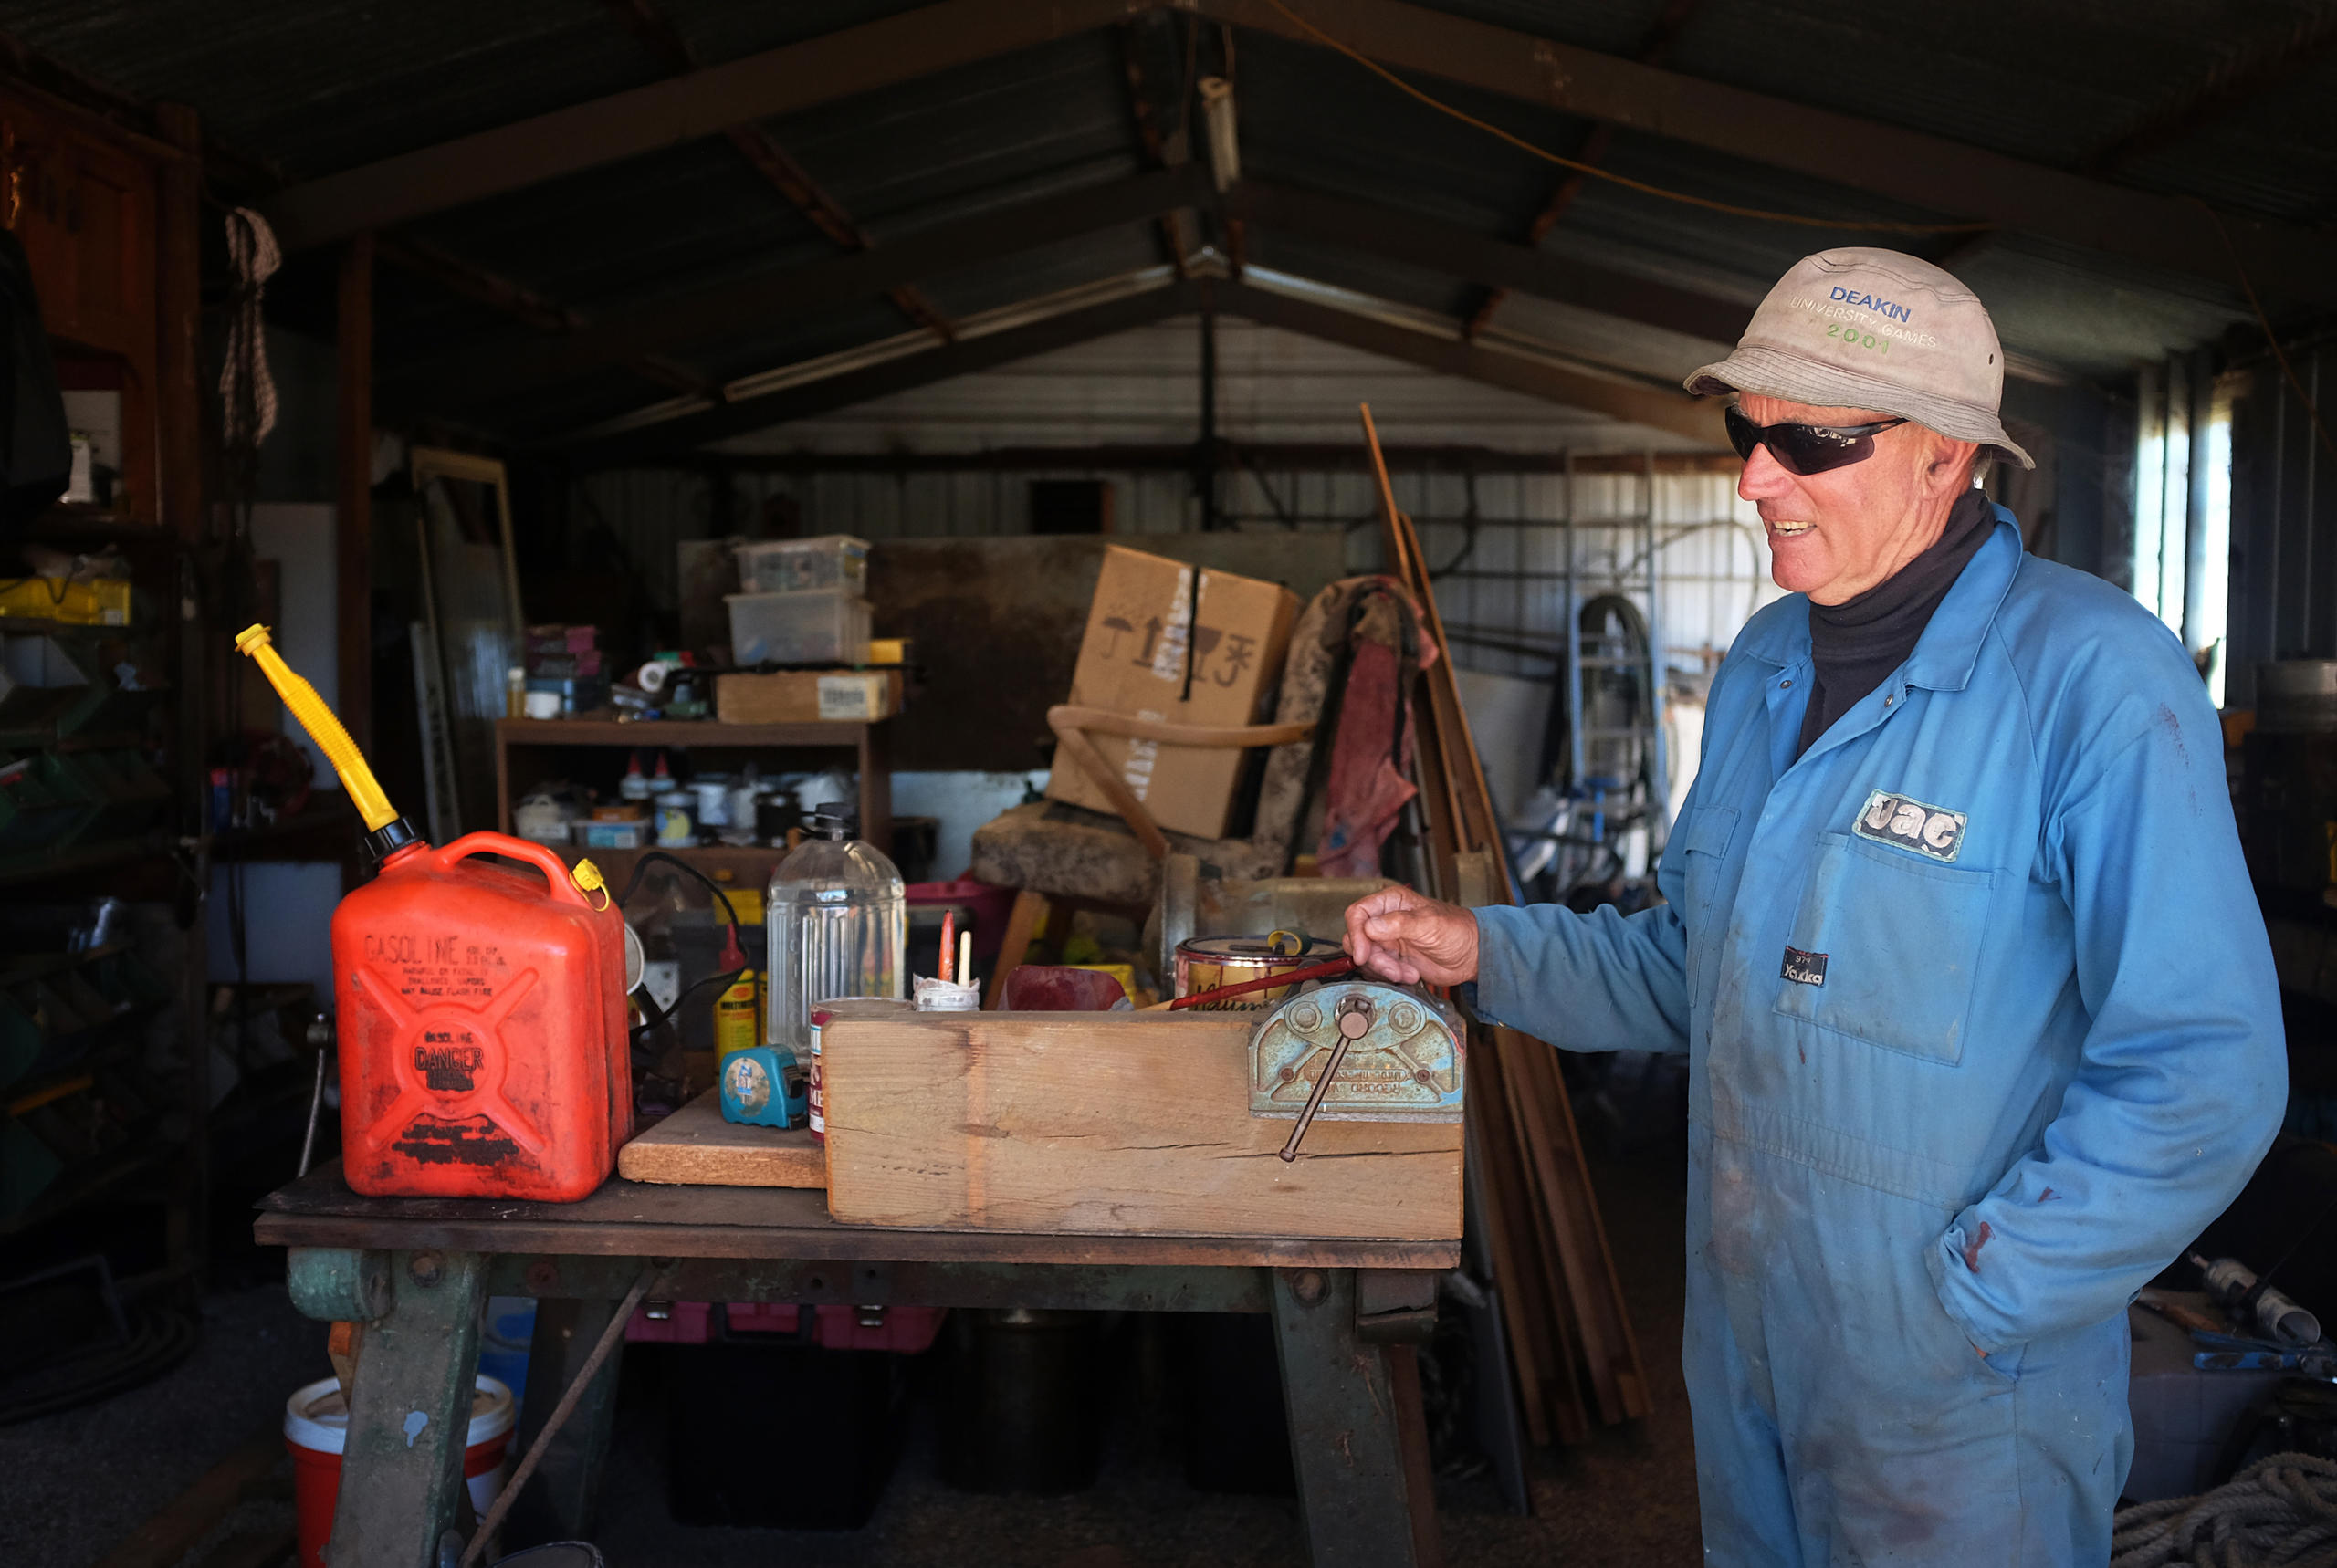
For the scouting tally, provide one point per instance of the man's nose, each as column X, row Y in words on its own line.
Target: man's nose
column 1763, row 478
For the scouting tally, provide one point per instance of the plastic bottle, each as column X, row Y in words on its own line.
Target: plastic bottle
column 837, row 923
column 634, row 785
column 734, row 1010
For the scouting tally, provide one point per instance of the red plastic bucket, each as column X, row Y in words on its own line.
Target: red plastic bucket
column 315, row 1426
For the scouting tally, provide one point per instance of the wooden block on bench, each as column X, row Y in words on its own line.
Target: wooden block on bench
column 1107, row 1123
column 695, row 1146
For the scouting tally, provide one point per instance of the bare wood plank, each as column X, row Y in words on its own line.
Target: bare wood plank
column 1559, row 1196
column 1509, row 1241
column 1569, row 1406
column 1105, row 1122
column 694, row 1146
column 679, row 108
column 1583, row 1235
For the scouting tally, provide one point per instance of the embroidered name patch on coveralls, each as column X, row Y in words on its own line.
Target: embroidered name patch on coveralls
column 1982, row 1029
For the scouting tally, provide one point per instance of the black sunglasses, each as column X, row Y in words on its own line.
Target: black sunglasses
column 1805, row 449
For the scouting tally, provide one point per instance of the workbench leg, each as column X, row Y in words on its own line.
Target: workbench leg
column 1345, row 1446
column 410, row 1415
column 565, row 1491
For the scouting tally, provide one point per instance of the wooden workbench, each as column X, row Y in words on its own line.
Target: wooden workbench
column 1347, row 1316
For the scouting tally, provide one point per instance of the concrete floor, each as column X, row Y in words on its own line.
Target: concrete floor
column 77, row 1483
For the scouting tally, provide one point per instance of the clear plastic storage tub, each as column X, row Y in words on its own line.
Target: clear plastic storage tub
column 823, row 626
column 794, row 566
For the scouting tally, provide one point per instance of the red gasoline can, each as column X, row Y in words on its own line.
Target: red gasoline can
column 482, row 1026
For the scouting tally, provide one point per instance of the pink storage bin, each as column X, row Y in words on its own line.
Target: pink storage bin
column 986, row 904
column 904, row 1330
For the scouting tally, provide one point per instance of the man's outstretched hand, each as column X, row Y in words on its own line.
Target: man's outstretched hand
column 1399, row 935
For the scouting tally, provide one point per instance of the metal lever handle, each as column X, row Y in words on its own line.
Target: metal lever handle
column 1353, row 1021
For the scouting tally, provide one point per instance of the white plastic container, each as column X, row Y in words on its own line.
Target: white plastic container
column 316, row 1428
column 795, row 566
column 823, row 626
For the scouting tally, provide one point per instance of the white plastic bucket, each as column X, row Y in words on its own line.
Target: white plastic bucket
column 316, row 1428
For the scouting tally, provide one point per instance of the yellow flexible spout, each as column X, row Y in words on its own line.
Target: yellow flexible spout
column 364, row 790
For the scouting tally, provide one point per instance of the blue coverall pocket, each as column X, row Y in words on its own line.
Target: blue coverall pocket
column 1705, row 834
column 1885, row 947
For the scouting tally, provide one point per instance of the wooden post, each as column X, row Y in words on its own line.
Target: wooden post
column 178, row 418
column 353, row 543
column 179, row 310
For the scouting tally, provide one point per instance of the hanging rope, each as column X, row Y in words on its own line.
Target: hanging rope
column 2280, row 1513
column 245, row 389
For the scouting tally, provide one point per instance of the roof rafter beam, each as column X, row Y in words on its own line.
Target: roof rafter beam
column 2236, row 80
column 756, row 303
column 681, row 109
column 481, row 286
column 963, row 357
column 1698, row 419
column 1904, row 165
column 1451, row 251
column 772, row 161
column 1653, row 52
column 1444, row 353
column 1158, row 152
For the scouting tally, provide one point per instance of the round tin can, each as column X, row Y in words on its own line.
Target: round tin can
column 1205, row 962
column 815, row 1088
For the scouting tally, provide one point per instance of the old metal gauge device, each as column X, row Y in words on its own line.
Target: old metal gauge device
column 1357, row 1050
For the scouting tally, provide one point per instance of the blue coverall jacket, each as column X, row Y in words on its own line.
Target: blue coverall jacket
column 1982, row 1029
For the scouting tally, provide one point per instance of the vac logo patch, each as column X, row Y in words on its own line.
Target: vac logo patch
column 1805, row 968
column 1933, row 832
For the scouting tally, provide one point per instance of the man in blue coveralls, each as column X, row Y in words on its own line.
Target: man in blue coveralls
column 1980, row 1014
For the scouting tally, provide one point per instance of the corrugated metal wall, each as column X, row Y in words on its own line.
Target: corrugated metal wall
column 2284, row 520
column 1498, row 539
column 1497, row 542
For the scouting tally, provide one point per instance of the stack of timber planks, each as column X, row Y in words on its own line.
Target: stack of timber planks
column 1573, row 1355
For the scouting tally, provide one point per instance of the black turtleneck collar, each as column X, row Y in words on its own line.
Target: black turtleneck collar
column 1856, row 644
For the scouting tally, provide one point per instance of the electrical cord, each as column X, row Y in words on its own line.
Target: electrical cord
column 1873, row 226
column 653, row 1016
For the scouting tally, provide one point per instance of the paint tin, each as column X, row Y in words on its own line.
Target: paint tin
column 712, row 792
column 1205, row 962
column 843, row 1008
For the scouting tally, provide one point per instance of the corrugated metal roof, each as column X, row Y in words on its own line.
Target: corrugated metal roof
column 326, row 85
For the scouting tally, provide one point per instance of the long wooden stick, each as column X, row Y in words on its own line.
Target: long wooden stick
column 1559, row 1278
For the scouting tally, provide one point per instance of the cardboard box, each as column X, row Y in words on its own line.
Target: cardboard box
column 807, row 696
column 1132, row 661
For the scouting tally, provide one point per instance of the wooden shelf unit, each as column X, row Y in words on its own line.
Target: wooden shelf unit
column 525, row 755
column 109, row 216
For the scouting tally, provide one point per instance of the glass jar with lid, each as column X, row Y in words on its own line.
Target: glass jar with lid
column 836, row 919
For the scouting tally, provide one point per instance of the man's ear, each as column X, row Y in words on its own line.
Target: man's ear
column 1951, row 464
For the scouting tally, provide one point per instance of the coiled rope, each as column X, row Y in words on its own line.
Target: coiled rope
column 2280, row 1513
column 245, row 389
